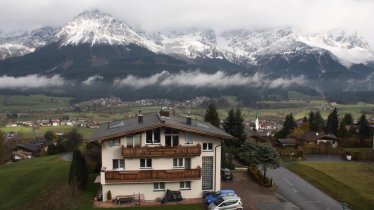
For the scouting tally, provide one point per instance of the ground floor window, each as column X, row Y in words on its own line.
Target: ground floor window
column 158, row 186
column 186, row 185
column 145, row 163
column 118, row 164
column 207, row 146
column 182, row 163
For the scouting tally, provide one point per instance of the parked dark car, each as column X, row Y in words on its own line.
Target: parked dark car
column 226, row 174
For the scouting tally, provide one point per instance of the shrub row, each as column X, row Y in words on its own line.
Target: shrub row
column 259, row 177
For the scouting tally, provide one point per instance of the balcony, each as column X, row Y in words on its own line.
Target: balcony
column 161, row 151
column 152, row 175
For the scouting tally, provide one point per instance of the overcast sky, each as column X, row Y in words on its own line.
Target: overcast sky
column 155, row 15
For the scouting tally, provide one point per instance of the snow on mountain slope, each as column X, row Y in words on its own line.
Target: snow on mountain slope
column 20, row 43
column 247, row 46
column 95, row 27
column 349, row 48
column 237, row 46
column 192, row 43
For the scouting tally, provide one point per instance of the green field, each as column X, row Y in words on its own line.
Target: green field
column 41, row 107
column 349, row 182
column 21, row 103
column 30, row 132
column 42, row 183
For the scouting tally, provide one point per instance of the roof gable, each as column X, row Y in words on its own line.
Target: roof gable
column 154, row 120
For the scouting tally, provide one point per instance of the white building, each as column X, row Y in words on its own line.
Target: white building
column 149, row 154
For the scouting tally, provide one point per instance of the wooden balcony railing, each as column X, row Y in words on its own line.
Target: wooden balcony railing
column 152, row 175
column 161, row 151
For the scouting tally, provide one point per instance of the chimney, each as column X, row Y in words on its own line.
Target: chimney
column 189, row 120
column 164, row 112
column 140, row 116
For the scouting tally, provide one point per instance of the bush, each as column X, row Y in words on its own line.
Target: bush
column 258, row 176
column 109, row 195
column 56, row 149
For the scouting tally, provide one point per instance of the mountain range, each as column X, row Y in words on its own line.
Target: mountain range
column 97, row 47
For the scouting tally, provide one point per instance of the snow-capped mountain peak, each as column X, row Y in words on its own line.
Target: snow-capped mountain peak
column 96, row 27
column 253, row 47
column 348, row 48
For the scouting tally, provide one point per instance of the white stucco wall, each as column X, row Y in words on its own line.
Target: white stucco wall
column 149, row 193
column 114, row 152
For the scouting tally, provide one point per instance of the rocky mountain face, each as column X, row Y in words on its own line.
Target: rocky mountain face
column 20, row 43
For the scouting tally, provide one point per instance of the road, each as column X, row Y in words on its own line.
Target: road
column 254, row 196
column 67, row 156
column 300, row 192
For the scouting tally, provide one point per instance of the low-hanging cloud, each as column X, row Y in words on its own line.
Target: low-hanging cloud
column 30, row 81
column 92, row 80
column 200, row 79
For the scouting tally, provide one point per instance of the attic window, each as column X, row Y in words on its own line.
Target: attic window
column 113, row 142
column 201, row 125
column 153, row 136
column 116, row 124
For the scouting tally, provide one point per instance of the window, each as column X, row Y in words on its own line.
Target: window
column 145, row 163
column 182, row 163
column 207, row 146
column 153, row 136
column 159, row 186
column 113, row 142
column 133, row 141
column 188, row 138
column 171, row 137
column 185, row 185
column 118, row 164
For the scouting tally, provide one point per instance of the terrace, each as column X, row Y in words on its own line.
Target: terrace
column 152, row 175
column 161, row 151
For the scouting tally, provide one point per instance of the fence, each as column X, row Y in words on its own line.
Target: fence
column 291, row 153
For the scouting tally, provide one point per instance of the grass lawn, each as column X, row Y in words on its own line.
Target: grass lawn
column 42, row 183
column 23, row 182
column 349, row 182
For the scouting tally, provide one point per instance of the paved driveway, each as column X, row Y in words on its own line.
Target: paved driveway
column 253, row 195
column 300, row 192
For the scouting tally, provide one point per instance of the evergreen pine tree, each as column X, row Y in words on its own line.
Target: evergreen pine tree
column 3, row 158
column 342, row 132
column 211, row 114
column 305, row 120
column 348, row 119
column 78, row 174
column 239, row 120
column 364, row 128
column 267, row 157
column 234, row 125
column 312, row 124
column 332, row 122
column 319, row 122
column 74, row 139
column 288, row 125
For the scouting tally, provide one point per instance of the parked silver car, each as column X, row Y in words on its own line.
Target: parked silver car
column 226, row 202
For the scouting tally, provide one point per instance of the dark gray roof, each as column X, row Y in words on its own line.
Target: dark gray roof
column 287, row 141
column 154, row 120
column 328, row 136
column 33, row 147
